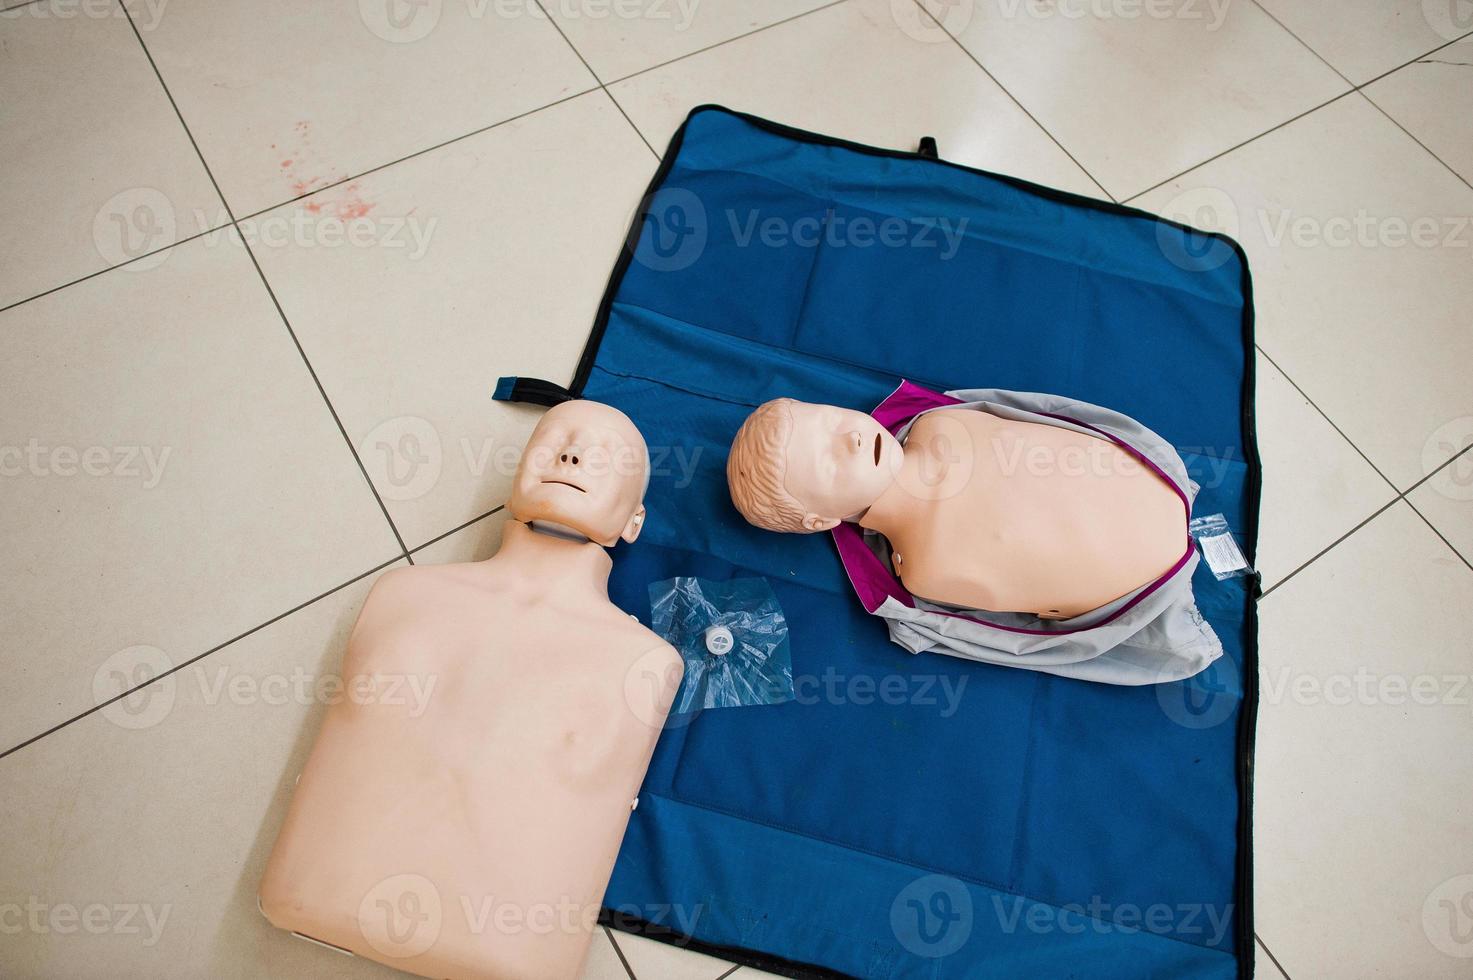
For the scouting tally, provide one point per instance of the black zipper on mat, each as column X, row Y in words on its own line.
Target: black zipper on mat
column 1248, row 712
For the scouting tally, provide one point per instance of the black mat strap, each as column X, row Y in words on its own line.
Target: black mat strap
column 531, row 391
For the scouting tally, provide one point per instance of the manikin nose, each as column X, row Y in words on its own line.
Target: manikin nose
column 569, row 456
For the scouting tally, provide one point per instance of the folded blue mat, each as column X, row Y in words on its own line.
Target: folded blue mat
column 925, row 816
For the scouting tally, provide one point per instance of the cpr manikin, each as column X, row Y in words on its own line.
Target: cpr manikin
column 981, row 511
column 471, row 831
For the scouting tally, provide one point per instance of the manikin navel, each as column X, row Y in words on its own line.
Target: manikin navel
column 981, row 511
column 462, row 807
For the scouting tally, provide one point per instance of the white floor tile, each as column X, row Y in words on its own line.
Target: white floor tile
column 1362, row 816
column 862, row 77
column 175, row 818
column 171, row 478
column 483, row 258
column 1359, row 242
column 650, row 959
column 1137, row 97
column 97, row 168
column 1447, row 498
column 1433, row 99
column 1362, row 40
column 475, row 543
column 284, row 98
column 630, row 37
column 1316, row 486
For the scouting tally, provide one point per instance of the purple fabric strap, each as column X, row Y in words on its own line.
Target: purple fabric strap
column 873, row 582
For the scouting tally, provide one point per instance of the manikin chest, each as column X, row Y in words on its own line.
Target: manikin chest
column 1023, row 516
column 526, row 687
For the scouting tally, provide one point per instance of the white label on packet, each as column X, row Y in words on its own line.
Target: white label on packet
column 1223, row 555
column 1219, row 547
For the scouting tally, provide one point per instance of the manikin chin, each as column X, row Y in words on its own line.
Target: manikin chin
column 473, row 835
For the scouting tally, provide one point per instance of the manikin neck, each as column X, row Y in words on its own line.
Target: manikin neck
column 893, row 511
column 555, row 559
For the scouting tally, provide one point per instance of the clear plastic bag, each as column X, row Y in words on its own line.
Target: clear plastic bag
column 733, row 638
column 1219, row 547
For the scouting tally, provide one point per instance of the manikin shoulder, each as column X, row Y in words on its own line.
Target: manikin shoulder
column 408, row 594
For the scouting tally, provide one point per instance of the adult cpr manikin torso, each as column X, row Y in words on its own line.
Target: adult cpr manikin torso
column 470, row 830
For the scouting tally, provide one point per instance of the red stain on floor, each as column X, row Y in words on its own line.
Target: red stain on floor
column 352, row 204
column 347, row 203
column 293, row 166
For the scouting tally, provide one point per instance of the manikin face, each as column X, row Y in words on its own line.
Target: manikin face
column 585, row 469
column 839, row 461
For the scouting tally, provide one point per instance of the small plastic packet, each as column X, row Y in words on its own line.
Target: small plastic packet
column 1219, row 548
column 733, row 638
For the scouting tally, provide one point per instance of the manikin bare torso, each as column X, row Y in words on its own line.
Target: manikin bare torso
column 980, row 511
column 471, row 832
column 1080, row 526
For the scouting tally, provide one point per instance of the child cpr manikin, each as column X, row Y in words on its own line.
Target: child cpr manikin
column 981, row 511
column 1016, row 528
column 473, row 834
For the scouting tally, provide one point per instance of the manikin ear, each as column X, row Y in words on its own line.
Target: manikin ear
column 635, row 525
column 812, row 522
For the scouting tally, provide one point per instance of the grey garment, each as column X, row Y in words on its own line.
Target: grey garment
column 1161, row 638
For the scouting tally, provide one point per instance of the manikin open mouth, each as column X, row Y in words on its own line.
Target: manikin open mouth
column 879, row 447
column 565, row 483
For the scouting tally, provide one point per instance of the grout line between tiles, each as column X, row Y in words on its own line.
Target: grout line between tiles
column 254, row 629
column 1324, row 415
column 404, row 551
column 1271, row 956
column 619, row 953
column 441, row 537
column 110, row 268
column 1329, row 547
column 1410, row 135
column 737, row 37
column 1440, row 467
column 1005, row 91
column 523, row 115
column 1239, row 146
column 417, row 153
column 1412, row 61
column 602, row 87
column 1285, row 28
column 198, row 657
column 729, row 972
column 241, row 636
column 1400, row 497
column 1435, row 531
column 1354, row 89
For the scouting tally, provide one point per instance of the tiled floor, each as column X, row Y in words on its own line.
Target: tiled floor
column 220, row 421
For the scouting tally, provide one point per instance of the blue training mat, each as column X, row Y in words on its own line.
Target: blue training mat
column 925, row 816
